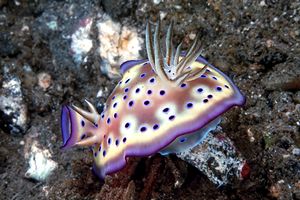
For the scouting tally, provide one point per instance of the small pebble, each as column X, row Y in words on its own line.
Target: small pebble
column 156, row 1
column 192, row 36
column 296, row 151
column 44, row 80
column 269, row 43
column 250, row 135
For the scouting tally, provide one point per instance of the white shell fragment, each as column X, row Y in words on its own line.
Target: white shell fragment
column 217, row 158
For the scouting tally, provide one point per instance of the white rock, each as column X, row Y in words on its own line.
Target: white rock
column 12, row 104
column 117, row 44
column 81, row 42
column 40, row 164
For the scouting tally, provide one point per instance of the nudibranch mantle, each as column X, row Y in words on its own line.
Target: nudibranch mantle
column 161, row 105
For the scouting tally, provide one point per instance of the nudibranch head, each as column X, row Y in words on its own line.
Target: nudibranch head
column 162, row 104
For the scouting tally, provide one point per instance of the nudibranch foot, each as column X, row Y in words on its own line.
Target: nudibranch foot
column 190, row 140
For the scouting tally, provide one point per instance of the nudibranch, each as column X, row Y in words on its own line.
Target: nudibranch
column 161, row 104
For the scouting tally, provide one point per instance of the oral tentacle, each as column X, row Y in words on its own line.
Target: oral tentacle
column 77, row 129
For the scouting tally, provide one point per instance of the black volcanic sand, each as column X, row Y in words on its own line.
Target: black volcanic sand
column 255, row 42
